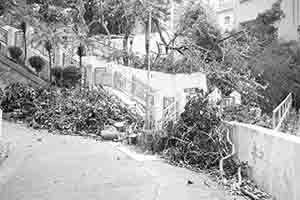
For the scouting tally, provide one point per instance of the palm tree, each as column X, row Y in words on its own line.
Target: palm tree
column 81, row 52
column 24, row 31
column 48, row 46
column 82, row 43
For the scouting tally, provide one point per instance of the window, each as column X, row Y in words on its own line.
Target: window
column 227, row 20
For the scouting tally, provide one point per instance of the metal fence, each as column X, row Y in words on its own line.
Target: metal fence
column 134, row 87
column 140, row 90
column 103, row 76
column 280, row 113
column 120, row 82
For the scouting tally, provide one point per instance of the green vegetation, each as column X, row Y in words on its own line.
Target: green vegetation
column 15, row 53
column 57, row 73
column 71, row 76
column 37, row 63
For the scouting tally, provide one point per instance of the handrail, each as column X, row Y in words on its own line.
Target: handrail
column 171, row 107
column 282, row 109
column 278, row 107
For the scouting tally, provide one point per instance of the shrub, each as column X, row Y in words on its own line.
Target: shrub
column 15, row 52
column 37, row 63
column 278, row 65
column 71, row 76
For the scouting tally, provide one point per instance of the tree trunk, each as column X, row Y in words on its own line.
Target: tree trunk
column 25, row 46
column 147, row 43
column 125, row 49
column 102, row 21
column 50, row 66
column 82, row 71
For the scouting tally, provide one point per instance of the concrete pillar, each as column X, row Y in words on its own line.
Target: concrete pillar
column 181, row 99
column 58, row 56
column 89, row 72
column 11, row 37
column 157, row 109
column 172, row 23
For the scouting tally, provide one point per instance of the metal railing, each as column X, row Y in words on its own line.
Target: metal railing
column 103, row 76
column 281, row 111
column 133, row 87
column 170, row 113
column 139, row 90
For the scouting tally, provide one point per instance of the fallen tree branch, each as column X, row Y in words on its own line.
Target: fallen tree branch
column 221, row 165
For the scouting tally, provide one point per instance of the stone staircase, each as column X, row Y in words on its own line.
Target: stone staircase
column 10, row 72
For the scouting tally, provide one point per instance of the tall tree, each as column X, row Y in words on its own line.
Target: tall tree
column 23, row 27
column 49, row 37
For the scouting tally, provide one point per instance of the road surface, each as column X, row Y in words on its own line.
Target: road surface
column 43, row 166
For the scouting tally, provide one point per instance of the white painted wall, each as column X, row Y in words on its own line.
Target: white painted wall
column 164, row 84
column 221, row 20
column 273, row 159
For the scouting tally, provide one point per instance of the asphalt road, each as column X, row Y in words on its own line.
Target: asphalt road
column 43, row 166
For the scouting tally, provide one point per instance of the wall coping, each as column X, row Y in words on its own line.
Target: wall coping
column 269, row 132
column 156, row 72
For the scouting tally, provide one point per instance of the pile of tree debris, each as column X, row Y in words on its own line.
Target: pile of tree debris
column 79, row 112
column 200, row 140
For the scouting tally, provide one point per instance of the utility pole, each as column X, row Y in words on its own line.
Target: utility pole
column 172, row 15
column 147, row 38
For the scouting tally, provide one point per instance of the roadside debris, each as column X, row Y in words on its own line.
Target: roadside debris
column 66, row 111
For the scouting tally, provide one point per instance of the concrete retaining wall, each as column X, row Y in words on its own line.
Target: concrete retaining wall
column 272, row 157
column 165, row 84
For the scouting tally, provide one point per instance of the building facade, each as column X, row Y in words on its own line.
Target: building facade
column 177, row 9
column 225, row 14
column 232, row 13
column 289, row 26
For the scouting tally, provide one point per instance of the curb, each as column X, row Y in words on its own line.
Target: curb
column 131, row 153
column 4, row 146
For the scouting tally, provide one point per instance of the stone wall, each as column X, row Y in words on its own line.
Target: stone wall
column 272, row 157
